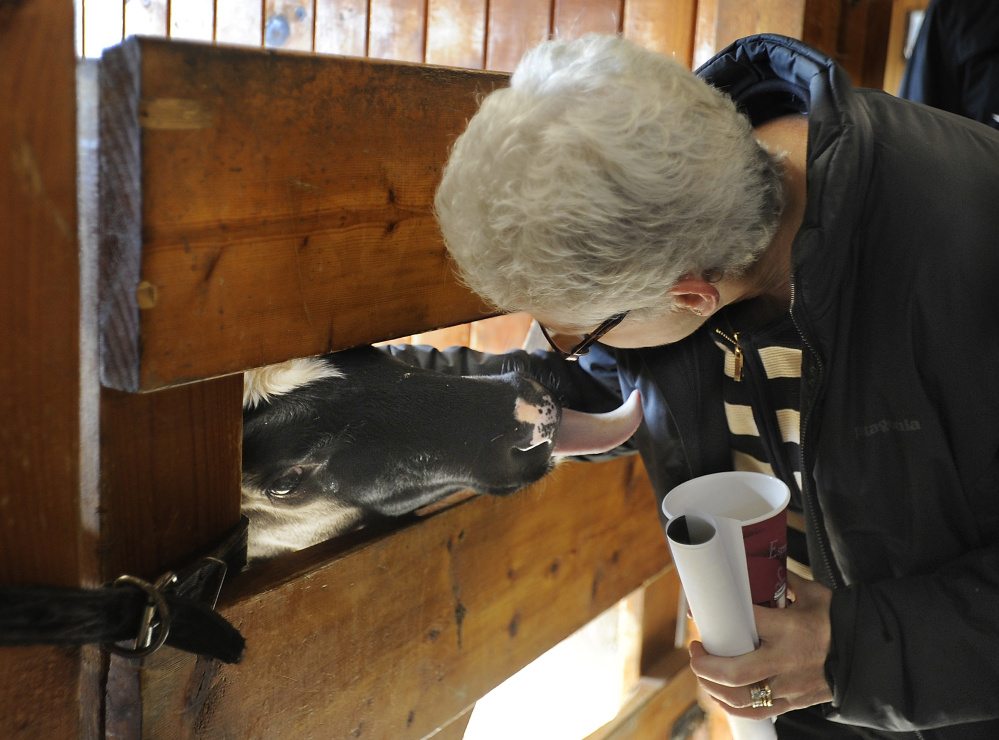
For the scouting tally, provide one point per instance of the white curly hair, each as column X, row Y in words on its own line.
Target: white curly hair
column 602, row 175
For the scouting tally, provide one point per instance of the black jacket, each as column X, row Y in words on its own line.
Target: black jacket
column 894, row 276
column 955, row 61
column 894, row 273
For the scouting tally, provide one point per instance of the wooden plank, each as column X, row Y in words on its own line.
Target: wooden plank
column 855, row 34
column 170, row 470
column 454, row 729
column 146, row 17
column 666, row 26
column 456, row 33
column 46, row 691
column 720, row 22
column 40, row 445
column 239, row 22
column 342, row 27
column 662, row 596
column 573, row 18
column 193, row 20
column 397, row 636
column 170, row 489
column 289, row 24
column 397, row 29
column 259, row 207
column 513, row 28
column 663, row 696
column 868, row 25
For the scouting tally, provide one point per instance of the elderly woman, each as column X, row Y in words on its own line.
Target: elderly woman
column 800, row 278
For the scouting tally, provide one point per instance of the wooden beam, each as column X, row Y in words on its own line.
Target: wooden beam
column 666, row 27
column 663, row 696
column 853, row 32
column 170, row 474
column 399, row 635
column 46, row 691
column 258, row 206
column 720, row 22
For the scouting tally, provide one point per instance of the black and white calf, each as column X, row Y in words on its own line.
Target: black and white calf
column 331, row 442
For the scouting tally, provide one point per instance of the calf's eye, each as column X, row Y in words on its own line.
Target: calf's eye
column 287, row 483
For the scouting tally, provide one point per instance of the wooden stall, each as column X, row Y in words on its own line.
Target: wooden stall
column 238, row 206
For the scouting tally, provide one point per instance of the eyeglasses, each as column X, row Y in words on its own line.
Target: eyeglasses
column 580, row 343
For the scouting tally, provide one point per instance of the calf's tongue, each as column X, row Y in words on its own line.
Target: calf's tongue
column 590, row 434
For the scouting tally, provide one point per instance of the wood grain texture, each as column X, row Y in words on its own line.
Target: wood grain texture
column 659, row 615
column 239, row 22
column 40, row 440
column 574, row 18
column 666, row 26
column 39, row 300
column 397, row 29
column 513, row 27
column 853, row 32
column 170, row 483
column 720, row 22
column 456, row 33
column 398, row 635
column 259, row 207
column 342, row 27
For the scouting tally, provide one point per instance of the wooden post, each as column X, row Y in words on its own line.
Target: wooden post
column 854, row 33
column 47, row 692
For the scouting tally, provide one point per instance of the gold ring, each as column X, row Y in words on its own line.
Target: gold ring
column 760, row 695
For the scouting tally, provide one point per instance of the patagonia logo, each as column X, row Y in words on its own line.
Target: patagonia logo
column 884, row 426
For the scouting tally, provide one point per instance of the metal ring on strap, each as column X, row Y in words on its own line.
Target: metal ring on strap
column 145, row 642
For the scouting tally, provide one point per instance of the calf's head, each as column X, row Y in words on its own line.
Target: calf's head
column 332, row 441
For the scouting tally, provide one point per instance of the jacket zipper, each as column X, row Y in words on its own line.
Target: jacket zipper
column 808, row 494
column 736, row 350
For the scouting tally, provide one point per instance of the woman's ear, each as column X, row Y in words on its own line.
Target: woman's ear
column 696, row 295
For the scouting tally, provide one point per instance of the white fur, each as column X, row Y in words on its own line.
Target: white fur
column 274, row 380
column 542, row 418
column 280, row 530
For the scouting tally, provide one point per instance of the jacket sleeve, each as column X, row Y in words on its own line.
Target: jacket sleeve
column 920, row 651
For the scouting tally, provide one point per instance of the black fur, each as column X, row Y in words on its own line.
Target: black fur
column 384, row 440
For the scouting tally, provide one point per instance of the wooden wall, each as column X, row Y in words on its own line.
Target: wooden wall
column 477, row 34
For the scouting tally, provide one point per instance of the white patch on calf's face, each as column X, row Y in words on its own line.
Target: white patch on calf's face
column 275, row 530
column 274, row 380
column 543, row 418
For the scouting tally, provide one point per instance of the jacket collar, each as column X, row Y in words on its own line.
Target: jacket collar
column 769, row 76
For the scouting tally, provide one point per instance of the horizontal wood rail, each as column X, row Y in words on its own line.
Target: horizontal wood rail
column 397, row 636
column 256, row 207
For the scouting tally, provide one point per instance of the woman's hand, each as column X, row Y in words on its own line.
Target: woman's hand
column 794, row 643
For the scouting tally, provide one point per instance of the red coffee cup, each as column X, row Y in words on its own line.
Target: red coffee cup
column 759, row 503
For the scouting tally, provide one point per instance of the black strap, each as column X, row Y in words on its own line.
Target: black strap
column 52, row 615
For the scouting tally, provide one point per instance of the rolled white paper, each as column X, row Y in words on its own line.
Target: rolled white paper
column 710, row 559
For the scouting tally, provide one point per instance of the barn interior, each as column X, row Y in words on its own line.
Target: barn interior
column 173, row 217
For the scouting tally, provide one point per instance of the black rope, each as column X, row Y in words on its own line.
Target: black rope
column 54, row 615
